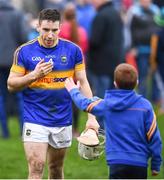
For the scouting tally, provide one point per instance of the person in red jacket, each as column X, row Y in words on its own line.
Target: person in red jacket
column 71, row 30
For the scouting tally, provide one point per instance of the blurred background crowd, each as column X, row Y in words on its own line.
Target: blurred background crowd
column 108, row 32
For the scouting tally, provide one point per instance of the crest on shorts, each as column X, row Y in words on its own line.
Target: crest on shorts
column 28, row 132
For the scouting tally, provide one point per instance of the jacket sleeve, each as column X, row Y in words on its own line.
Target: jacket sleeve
column 154, row 140
column 93, row 105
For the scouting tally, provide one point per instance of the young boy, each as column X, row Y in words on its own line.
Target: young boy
column 132, row 135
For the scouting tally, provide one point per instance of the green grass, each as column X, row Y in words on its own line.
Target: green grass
column 13, row 164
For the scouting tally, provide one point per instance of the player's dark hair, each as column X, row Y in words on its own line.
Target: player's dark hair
column 49, row 14
column 125, row 76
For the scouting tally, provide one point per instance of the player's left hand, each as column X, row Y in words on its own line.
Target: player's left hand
column 92, row 124
column 88, row 137
column 70, row 84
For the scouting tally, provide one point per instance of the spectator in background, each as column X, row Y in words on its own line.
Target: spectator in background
column 126, row 4
column 33, row 33
column 140, row 20
column 118, row 4
column 105, row 47
column 157, row 55
column 13, row 32
column 31, row 6
column 84, row 9
column 72, row 31
column 159, row 3
column 57, row 4
column 41, row 4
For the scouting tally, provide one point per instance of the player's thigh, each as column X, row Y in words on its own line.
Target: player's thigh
column 55, row 157
column 36, row 151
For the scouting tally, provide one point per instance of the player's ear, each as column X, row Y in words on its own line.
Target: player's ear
column 137, row 83
column 115, row 84
column 38, row 27
column 60, row 25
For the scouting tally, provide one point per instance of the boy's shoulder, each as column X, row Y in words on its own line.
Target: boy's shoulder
column 144, row 103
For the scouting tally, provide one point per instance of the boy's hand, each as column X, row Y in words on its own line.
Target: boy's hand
column 69, row 84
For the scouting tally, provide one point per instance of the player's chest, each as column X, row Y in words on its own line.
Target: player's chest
column 62, row 60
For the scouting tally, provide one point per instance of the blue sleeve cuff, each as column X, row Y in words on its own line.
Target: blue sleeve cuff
column 73, row 91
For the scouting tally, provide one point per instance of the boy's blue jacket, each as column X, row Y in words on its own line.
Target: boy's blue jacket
column 132, row 135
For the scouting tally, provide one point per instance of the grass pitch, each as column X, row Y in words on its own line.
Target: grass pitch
column 13, row 164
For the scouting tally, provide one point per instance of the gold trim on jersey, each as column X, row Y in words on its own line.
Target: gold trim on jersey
column 79, row 67
column 53, row 80
column 18, row 69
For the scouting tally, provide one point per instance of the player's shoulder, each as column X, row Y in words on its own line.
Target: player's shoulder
column 27, row 45
column 67, row 43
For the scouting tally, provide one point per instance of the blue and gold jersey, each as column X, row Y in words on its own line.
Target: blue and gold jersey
column 46, row 101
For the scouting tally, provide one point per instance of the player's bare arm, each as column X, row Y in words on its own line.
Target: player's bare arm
column 86, row 91
column 18, row 81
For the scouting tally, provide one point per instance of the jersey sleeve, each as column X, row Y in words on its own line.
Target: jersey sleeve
column 154, row 140
column 18, row 62
column 93, row 105
column 79, row 62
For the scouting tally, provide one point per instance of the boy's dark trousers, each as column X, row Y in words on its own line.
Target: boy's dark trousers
column 121, row 171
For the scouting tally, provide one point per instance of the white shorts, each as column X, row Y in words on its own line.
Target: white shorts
column 57, row 137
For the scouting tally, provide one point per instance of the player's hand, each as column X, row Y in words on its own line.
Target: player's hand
column 89, row 137
column 70, row 84
column 154, row 173
column 42, row 69
column 92, row 124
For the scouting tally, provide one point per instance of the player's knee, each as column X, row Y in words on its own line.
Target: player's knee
column 37, row 166
column 55, row 170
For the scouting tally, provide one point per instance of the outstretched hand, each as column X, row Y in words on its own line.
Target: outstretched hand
column 70, row 84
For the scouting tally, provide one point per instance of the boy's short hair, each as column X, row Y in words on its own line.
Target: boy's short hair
column 49, row 14
column 126, row 76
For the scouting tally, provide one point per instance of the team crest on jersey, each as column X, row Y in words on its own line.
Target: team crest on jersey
column 64, row 60
column 28, row 132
